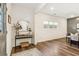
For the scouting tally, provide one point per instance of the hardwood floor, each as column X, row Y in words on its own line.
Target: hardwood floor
column 19, row 49
column 57, row 47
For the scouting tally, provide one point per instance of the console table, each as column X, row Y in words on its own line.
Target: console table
column 22, row 37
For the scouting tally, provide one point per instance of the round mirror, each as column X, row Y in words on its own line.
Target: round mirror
column 24, row 25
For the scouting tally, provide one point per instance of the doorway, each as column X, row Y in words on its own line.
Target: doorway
column 2, row 29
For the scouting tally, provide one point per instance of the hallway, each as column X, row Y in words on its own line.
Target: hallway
column 57, row 47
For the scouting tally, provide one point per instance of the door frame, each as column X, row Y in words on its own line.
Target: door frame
column 4, row 18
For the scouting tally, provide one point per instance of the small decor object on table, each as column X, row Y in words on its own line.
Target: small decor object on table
column 29, row 29
column 18, row 27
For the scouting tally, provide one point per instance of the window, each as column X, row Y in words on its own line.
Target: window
column 1, row 22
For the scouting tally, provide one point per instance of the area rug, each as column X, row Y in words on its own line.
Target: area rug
column 30, row 52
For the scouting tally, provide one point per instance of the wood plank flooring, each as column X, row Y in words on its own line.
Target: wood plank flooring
column 19, row 49
column 57, row 47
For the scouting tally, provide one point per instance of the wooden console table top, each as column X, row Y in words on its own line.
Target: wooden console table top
column 23, row 36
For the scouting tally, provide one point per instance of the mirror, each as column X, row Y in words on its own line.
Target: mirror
column 24, row 25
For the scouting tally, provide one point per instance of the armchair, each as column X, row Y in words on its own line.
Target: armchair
column 74, row 39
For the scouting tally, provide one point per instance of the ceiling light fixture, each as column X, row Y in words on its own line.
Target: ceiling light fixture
column 72, row 16
column 77, row 18
column 52, row 8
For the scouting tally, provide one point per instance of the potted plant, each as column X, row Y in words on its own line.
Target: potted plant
column 18, row 27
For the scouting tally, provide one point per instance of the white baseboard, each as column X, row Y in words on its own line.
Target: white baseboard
column 48, row 40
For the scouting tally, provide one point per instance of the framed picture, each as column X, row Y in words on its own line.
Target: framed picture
column 45, row 24
column 9, row 19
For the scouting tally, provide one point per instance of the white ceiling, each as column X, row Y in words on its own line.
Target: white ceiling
column 60, row 9
column 32, row 6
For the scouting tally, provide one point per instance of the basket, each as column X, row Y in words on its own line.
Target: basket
column 24, row 44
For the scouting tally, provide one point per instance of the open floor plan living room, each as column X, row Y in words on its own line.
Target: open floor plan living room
column 39, row 29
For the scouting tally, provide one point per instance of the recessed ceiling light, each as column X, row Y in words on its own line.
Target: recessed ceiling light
column 77, row 18
column 52, row 8
column 71, row 15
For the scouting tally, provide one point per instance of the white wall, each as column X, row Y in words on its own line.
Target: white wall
column 20, row 13
column 9, row 32
column 36, row 23
column 42, row 34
